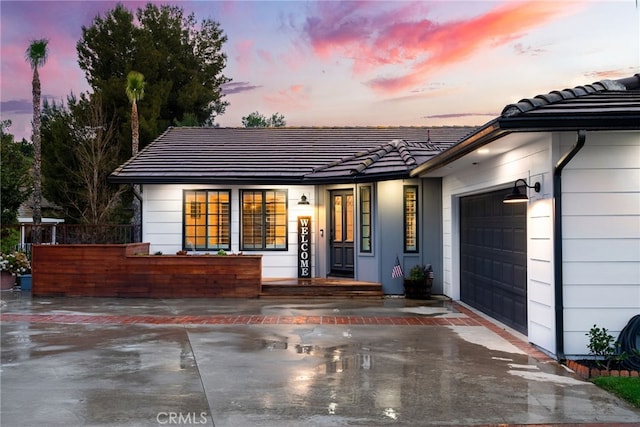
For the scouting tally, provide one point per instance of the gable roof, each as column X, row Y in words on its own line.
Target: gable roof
column 285, row 155
column 603, row 105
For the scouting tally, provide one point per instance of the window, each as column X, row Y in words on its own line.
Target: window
column 207, row 219
column 365, row 219
column 411, row 218
column 264, row 220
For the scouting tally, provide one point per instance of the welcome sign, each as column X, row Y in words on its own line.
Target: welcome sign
column 304, row 247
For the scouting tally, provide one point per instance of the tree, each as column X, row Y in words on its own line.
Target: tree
column 188, row 120
column 15, row 178
column 135, row 92
column 257, row 120
column 277, row 120
column 95, row 154
column 79, row 156
column 36, row 55
column 182, row 62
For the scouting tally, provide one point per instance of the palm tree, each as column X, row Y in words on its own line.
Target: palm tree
column 36, row 56
column 135, row 92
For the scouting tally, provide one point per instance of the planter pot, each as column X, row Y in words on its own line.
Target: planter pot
column 7, row 281
column 418, row 289
column 25, row 282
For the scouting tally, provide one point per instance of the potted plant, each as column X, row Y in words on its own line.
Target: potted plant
column 24, row 278
column 418, row 284
column 13, row 264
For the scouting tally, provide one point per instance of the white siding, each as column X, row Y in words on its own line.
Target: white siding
column 529, row 157
column 162, row 217
column 601, row 230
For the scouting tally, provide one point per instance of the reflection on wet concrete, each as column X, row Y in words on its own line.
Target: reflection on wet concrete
column 88, row 375
column 21, row 303
column 279, row 375
column 401, row 375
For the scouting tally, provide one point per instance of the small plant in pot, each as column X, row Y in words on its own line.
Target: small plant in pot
column 418, row 284
column 12, row 265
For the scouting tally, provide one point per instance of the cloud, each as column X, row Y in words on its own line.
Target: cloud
column 458, row 115
column 521, row 49
column 403, row 49
column 293, row 97
column 295, row 58
column 609, row 74
column 16, row 106
column 244, row 55
column 238, row 87
column 265, row 56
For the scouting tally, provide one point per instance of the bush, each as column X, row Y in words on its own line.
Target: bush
column 10, row 239
column 421, row 272
column 602, row 345
column 15, row 262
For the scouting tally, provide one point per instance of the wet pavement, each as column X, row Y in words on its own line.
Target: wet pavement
column 397, row 362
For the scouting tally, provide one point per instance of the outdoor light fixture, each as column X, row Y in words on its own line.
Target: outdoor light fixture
column 516, row 196
column 303, row 200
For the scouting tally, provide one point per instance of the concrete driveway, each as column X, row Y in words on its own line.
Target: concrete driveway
column 141, row 362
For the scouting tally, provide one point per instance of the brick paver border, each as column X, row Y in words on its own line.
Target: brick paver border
column 463, row 317
column 236, row 320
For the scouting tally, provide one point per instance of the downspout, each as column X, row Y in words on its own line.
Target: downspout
column 557, row 240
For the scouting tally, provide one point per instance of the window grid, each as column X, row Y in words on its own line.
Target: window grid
column 207, row 220
column 365, row 219
column 410, row 218
column 264, row 220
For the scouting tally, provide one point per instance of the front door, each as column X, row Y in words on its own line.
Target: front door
column 342, row 233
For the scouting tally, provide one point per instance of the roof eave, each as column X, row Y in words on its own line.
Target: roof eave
column 502, row 126
column 571, row 123
column 114, row 179
column 349, row 179
column 343, row 179
column 486, row 134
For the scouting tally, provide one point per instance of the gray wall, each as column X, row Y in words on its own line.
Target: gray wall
column 389, row 234
column 389, row 231
column 431, row 229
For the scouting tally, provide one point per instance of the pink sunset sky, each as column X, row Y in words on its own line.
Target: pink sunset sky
column 365, row 63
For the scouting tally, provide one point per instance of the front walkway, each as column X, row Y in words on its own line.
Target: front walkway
column 143, row 362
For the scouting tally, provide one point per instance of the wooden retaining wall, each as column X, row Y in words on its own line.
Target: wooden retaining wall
column 129, row 271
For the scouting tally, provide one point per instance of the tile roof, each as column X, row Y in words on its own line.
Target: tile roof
column 607, row 104
column 603, row 105
column 286, row 155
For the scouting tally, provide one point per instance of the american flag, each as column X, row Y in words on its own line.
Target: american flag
column 397, row 270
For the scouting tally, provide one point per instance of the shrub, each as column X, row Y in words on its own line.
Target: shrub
column 602, row 345
column 15, row 262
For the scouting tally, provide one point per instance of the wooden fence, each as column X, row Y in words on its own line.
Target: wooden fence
column 128, row 270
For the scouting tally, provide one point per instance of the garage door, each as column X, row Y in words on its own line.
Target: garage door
column 493, row 259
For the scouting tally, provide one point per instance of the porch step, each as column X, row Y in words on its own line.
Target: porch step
column 325, row 288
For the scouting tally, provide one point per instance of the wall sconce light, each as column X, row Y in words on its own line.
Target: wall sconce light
column 516, row 196
column 303, row 200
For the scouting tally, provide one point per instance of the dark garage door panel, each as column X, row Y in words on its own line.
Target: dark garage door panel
column 493, row 261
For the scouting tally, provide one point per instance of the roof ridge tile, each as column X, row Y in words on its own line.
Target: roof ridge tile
column 556, row 96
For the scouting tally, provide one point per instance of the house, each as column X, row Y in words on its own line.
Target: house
column 549, row 268
column 25, row 224
column 570, row 257
column 247, row 189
